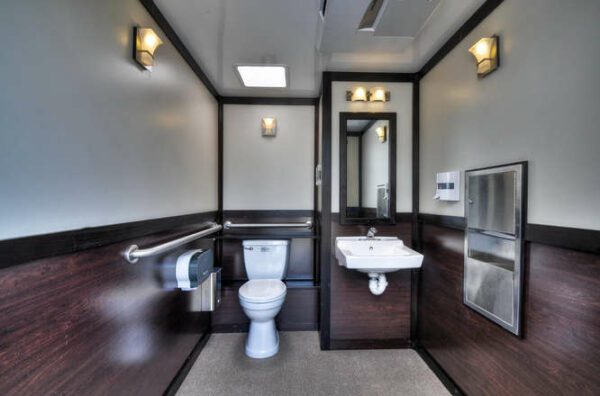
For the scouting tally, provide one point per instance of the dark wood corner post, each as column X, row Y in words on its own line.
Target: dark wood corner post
column 325, row 218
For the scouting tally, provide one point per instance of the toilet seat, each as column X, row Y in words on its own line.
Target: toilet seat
column 262, row 290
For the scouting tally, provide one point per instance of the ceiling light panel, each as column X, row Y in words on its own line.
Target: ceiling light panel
column 263, row 76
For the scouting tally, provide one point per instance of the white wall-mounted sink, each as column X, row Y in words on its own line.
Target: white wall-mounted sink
column 376, row 256
column 379, row 254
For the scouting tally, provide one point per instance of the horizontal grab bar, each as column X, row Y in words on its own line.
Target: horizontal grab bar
column 308, row 224
column 133, row 253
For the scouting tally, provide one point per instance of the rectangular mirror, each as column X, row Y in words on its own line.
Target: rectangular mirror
column 367, row 168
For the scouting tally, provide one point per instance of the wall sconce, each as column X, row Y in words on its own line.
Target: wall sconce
column 379, row 94
column 269, row 126
column 145, row 43
column 360, row 94
column 381, row 134
column 486, row 53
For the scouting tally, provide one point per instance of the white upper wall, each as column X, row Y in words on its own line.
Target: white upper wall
column 87, row 138
column 541, row 105
column 262, row 173
column 401, row 104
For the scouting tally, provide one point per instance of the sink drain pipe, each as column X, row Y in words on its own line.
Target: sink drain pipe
column 377, row 283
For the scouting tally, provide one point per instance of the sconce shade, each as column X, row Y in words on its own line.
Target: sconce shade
column 146, row 42
column 359, row 94
column 378, row 94
column 269, row 126
column 381, row 134
column 486, row 54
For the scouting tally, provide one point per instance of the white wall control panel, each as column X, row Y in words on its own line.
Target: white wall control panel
column 447, row 186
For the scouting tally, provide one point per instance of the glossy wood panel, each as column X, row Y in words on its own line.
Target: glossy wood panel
column 300, row 311
column 91, row 323
column 359, row 316
column 558, row 353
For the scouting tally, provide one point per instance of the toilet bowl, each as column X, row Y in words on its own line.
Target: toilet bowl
column 261, row 300
column 263, row 295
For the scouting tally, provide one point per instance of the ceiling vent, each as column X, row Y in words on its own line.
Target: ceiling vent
column 372, row 16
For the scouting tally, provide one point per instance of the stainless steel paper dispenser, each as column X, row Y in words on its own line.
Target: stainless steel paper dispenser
column 495, row 211
column 211, row 291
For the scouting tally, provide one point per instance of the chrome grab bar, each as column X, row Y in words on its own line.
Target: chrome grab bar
column 228, row 225
column 133, row 253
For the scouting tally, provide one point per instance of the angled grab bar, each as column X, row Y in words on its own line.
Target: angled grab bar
column 133, row 253
column 228, row 225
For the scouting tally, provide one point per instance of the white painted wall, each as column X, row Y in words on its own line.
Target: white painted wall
column 401, row 104
column 541, row 105
column 262, row 173
column 374, row 164
column 87, row 139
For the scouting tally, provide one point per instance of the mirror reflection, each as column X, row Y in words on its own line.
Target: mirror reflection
column 367, row 169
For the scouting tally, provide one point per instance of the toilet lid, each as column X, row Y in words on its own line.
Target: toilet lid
column 262, row 290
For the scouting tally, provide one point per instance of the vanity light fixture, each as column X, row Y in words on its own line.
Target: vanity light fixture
column 361, row 94
column 486, row 54
column 269, row 126
column 381, row 134
column 379, row 94
column 145, row 43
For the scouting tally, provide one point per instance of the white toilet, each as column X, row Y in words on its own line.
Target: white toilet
column 262, row 296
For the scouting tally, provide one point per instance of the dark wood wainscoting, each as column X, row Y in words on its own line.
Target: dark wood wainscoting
column 358, row 318
column 300, row 310
column 89, row 323
column 558, row 353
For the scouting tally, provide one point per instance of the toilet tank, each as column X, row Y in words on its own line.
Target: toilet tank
column 266, row 259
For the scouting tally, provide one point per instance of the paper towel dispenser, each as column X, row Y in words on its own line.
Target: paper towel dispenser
column 447, row 186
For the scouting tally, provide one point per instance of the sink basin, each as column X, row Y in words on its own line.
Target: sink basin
column 377, row 255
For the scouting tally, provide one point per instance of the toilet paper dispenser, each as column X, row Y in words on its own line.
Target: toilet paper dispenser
column 193, row 270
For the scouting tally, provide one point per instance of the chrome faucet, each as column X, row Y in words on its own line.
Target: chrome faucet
column 371, row 233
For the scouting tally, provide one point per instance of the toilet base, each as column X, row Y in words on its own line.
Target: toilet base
column 263, row 340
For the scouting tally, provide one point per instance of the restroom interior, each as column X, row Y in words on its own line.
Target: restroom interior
column 103, row 159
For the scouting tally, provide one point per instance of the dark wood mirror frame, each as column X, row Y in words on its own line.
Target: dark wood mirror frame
column 391, row 118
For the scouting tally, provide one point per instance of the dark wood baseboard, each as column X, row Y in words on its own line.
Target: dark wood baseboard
column 395, row 343
column 243, row 328
column 229, row 328
column 21, row 250
column 438, row 371
column 187, row 366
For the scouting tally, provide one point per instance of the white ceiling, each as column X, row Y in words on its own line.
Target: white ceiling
column 222, row 33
